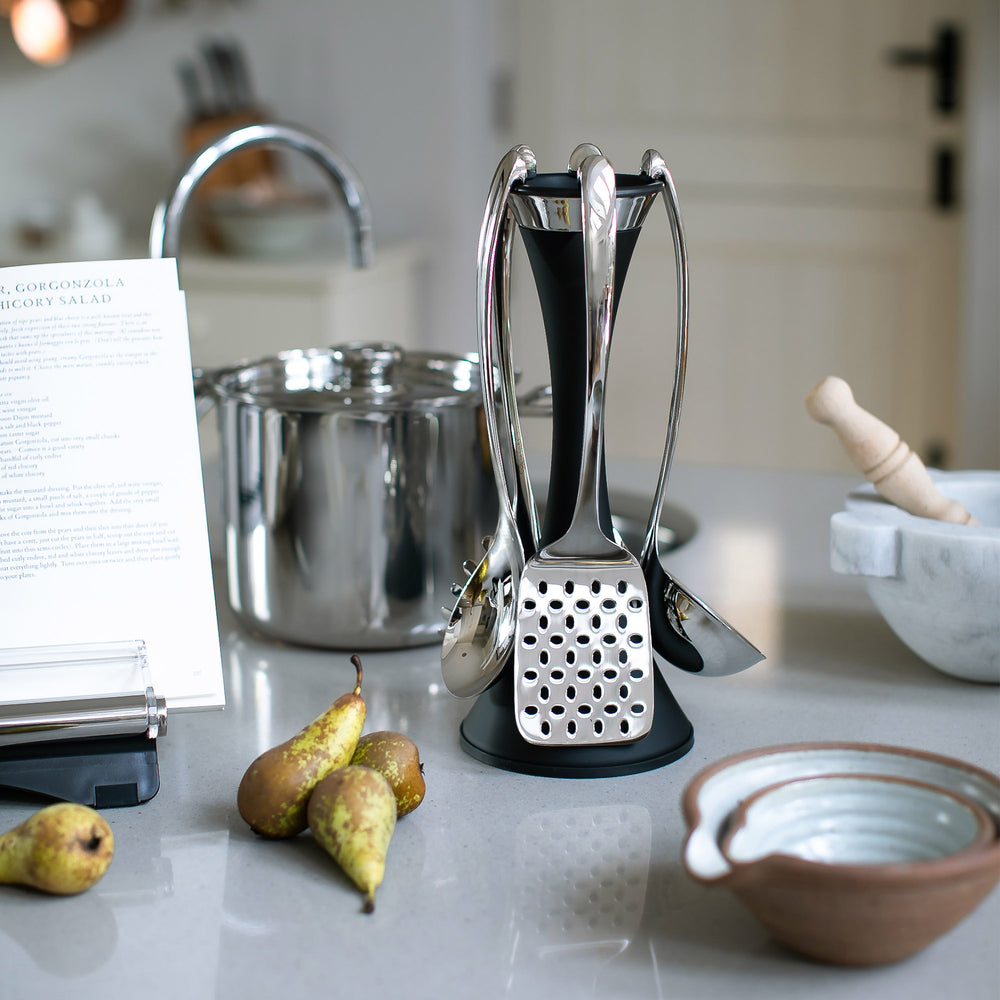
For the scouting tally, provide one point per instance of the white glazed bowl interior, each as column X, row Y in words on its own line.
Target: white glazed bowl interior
column 937, row 585
column 279, row 228
column 854, row 820
column 713, row 795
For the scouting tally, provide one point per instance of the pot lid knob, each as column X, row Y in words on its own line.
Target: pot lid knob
column 368, row 364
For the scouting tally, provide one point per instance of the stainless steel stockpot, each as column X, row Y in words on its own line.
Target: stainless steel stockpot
column 356, row 481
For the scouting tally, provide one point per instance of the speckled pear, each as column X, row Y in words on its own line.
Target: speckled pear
column 352, row 814
column 274, row 791
column 62, row 849
column 395, row 756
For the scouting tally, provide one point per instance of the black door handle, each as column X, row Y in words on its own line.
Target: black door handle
column 944, row 193
column 943, row 59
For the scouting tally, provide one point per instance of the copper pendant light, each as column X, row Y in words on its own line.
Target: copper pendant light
column 47, row 31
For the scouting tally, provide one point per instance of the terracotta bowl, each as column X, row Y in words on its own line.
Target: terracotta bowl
column 892, row 880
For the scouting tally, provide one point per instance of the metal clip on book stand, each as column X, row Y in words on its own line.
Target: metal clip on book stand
column 96, row 743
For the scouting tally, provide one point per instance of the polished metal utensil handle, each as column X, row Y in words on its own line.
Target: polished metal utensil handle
column 523, row 500
column 494, row 251
column 685, row 630
column 598, row 205
column 653, row 166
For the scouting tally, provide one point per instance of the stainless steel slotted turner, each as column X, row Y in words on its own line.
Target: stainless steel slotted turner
column 583, row 666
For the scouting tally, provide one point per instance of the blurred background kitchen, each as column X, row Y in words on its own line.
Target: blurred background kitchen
column 837, row 163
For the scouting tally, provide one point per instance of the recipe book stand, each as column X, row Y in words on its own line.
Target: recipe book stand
column 98, row 749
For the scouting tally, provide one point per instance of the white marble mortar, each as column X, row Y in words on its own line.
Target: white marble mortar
column 936, row 584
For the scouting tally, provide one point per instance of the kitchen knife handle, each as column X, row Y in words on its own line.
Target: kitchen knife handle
column 881, row 455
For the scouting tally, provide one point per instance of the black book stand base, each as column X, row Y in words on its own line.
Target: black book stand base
column 105, row 772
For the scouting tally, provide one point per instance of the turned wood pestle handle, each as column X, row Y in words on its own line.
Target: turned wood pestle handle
column 881, row 455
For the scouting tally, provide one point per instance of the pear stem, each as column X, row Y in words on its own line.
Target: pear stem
column 356, row 660
column 369, row 904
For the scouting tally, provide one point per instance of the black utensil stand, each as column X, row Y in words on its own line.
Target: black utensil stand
column 489, row 732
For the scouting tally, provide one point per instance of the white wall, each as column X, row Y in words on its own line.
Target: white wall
column 401, row 89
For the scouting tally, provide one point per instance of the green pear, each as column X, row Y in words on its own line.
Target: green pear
column 273, row 793
column 397, row 758
column 352, row 814
column 62, row 849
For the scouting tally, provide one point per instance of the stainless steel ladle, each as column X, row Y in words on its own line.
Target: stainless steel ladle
column 480, row 630
column 685, row 630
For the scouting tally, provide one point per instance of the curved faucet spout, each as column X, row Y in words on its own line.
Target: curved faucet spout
column 165, row 232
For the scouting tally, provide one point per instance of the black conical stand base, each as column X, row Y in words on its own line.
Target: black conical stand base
column 489, row 733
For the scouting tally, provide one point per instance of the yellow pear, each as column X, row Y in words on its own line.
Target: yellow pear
column 395, row 756
column 273, row 793
column 62, row 849
column 352, row 814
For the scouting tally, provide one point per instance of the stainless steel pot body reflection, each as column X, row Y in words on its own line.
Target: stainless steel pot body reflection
column 356, row 481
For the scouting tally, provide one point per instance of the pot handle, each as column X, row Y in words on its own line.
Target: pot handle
column 165, row 231
column 536, row 402
column 204, row 395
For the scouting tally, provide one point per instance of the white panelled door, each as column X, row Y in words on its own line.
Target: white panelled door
column 806, row 161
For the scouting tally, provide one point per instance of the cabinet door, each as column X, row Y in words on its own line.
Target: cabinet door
column 808, row 160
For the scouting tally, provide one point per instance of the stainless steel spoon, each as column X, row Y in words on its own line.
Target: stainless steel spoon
column 685, row 630
column 480, row 631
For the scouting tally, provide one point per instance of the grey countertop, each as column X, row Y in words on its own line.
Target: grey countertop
column 501, row 884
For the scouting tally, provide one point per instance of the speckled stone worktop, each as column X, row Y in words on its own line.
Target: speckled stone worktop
column 501, row 884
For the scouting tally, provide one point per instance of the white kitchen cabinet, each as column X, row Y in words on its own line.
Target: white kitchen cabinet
column 243, row 308
column 818, row 242
column 240, row 308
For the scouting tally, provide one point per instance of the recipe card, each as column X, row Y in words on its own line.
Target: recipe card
column 103, row 534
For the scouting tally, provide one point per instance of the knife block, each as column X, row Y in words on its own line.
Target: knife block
column 248, row 166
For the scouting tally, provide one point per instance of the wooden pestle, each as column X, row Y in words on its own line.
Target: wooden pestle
column 882, row 456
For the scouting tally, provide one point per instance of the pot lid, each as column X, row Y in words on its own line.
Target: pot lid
column 359, row 375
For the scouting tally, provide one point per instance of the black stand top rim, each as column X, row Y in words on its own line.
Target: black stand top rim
column 567, row 185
